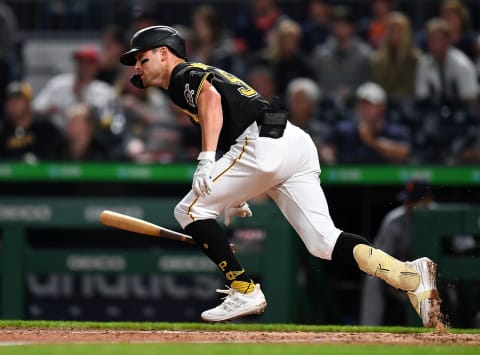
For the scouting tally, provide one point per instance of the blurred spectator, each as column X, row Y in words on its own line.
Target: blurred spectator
column 343, row 62
column 445, row 73
column 477, row 64
column 24, row 135
column 114, row 44
column 64, row 90
column 368, row 138
column 151, row 130
column 446, row 87
column 382, row 305
column 441, row 134
column 303, row 99
column 372, row 29
column 462, row 36
column 8, row 25
column 210, row 43
column 144, row 14
column 470, row 151
column 316, row 27
column 82, row 143
column 394, row 64
column 261, row 78
column 252, row 29
column 461, row 143
column 286, row 57
column 10, row 63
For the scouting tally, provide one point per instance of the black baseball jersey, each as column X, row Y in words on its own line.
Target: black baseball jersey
column 241, row 104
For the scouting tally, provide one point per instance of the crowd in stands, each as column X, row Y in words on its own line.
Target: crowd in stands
column 370, row 90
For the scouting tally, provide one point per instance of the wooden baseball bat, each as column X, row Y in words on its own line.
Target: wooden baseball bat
column 137, row 225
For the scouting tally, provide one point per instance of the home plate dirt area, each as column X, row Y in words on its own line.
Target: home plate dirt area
column 56, row 336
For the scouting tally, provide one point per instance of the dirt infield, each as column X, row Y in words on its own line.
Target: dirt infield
column 57, row 336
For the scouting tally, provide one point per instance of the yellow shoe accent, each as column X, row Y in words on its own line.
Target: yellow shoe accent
column 243, row 286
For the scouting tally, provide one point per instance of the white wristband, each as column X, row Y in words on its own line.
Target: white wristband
column 208, row 155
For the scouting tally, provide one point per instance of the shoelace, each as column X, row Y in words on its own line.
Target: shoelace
column 230, row 300
column 227, row 291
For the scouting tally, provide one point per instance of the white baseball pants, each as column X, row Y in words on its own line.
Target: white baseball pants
column 287, row 169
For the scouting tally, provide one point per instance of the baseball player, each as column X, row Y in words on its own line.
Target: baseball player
column 258, row 151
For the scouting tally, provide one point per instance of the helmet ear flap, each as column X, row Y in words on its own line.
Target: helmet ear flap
column 137, row 81
column 176, row 44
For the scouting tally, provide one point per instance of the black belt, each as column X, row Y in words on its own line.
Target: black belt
column 273, row 124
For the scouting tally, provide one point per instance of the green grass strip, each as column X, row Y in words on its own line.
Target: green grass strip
column 236, row 349
column 219, row 327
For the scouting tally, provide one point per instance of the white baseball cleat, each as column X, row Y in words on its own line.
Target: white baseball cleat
column 425, row 299
column 236, row 304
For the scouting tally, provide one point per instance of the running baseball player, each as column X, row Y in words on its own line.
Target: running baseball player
column 258, row 151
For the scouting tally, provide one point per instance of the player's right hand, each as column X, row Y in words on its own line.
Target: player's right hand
column 202, row 183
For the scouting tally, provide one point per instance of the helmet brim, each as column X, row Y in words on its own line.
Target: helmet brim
column 128, row 58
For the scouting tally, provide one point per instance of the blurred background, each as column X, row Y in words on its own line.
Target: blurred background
column 76, row 138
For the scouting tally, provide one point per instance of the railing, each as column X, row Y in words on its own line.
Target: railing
column 182, row 173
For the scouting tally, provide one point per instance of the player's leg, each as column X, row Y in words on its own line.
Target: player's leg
column 313, row 224
column 302, row 201
column 234, row 182
column 244, row 297
column 417, row 278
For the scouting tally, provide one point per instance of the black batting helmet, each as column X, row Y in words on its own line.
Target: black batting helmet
column 153, row 37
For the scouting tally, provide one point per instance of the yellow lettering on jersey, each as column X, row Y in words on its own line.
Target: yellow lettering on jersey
column 244, row 89
column 198, row 66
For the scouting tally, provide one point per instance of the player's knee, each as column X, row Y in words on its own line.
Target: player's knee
column 181, row 215
column 186, row 212
column 318, row 250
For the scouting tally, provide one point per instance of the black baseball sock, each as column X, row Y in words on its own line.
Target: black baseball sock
column 214, row 243
column 343, row 251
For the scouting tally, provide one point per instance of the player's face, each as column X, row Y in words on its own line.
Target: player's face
column 150, row 67
column 143, row 66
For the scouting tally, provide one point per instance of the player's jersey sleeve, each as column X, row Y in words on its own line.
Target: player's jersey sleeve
column 186, row 86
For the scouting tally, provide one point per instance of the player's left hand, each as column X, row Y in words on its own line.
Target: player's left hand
column 242, row 211
column 202, row 183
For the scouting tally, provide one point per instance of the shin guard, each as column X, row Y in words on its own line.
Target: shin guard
column 378, row 263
